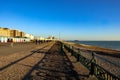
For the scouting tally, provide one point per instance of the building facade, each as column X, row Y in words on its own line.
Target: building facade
column 5, row 32
column 8, row 35
column 29, row 36
column 22, row 34
column 15, row 33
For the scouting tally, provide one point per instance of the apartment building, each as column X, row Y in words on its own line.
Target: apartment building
column 22, row 34
column 15, row 33
column 8, row 35
column 5, row 32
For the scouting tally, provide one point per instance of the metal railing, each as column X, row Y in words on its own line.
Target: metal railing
column 91, row 64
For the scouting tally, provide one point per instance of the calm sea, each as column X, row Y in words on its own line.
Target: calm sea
column 106, row 44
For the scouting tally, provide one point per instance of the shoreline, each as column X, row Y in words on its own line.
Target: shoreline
column 97, row 49
column 114, row 45
column 93, row 47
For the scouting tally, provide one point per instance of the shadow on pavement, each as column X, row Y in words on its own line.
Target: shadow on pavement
column 54, row 66
column 12, row 63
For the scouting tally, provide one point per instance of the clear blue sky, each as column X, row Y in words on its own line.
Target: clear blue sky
column 73, row 19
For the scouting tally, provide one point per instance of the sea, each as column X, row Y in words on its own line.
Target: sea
column 115, row 45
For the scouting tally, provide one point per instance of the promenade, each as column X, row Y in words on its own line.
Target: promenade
column 18, row 62
column 7, row 49
column 46, row 61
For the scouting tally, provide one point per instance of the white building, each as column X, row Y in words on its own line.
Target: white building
column 39, row 38
column 29, row 36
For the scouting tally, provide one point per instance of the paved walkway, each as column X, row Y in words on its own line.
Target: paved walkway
column 7, row 49
column 58, row 65
column 45, row 62
column 15, row 66
column 54, row 66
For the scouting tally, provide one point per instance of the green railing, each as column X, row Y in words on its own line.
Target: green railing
column 91, row 64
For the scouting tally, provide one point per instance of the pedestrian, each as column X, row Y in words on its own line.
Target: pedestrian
column 11, row 43
column 36, row 41
column 39, row 41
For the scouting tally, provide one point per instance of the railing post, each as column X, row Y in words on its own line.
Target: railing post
column 79, row 51
column 78, row 57
column 72, row 47
column 72, row 50
column 69, row 48
column 92, row 69
column 63, row 45
column 93, row 57
column 93, row 61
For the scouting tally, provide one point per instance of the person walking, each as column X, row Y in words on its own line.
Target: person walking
column 36, row 41
column 11, row 43
column 39, row 41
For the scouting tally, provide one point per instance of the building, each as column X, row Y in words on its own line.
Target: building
column 12, row 33
column 29, row 36
column 22, row 34
column 51, row 38
column 15, row 33
column 8, row 35
column 5, row 32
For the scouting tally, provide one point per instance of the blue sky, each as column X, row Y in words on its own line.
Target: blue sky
column 73, row 19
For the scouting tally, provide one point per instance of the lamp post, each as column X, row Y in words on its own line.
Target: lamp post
column 59, row 35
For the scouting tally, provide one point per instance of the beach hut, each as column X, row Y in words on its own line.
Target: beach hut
column 3, row 39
